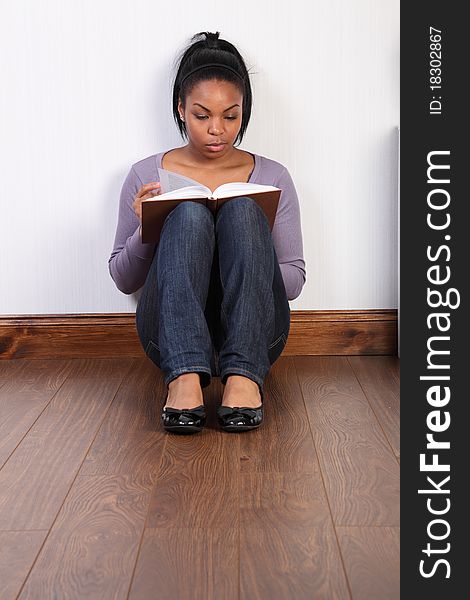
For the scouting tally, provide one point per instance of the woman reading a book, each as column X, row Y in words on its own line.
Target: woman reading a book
column 216, row 287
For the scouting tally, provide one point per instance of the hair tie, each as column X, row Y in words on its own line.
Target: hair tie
column 212, row 65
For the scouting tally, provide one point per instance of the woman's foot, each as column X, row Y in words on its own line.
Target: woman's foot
column 241, row 391
column 185, row 392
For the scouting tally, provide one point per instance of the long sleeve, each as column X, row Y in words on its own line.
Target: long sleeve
column 287, row 237
column 130, row 259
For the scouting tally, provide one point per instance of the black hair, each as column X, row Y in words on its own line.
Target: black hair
column 200, row 52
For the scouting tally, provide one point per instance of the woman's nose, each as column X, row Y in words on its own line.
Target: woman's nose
column 215, row 127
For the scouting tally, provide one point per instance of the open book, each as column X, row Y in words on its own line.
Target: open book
column 177, row 188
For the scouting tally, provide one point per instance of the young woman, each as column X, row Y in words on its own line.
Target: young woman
column 215, row 290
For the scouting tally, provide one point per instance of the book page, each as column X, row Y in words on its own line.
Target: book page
column 190, row 191
column 170, row 182
column 228, row 189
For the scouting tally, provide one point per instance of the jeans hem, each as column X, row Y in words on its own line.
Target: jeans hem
column 204, row 374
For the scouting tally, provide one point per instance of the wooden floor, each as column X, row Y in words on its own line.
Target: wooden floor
column 98, row 501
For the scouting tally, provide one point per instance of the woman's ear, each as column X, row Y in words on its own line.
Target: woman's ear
column 181, row 109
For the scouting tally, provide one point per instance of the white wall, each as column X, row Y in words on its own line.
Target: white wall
column 86, row 93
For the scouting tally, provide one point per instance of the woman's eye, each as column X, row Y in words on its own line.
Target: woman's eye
column 201, row 117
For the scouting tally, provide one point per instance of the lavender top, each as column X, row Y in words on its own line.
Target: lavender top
column 130, row 259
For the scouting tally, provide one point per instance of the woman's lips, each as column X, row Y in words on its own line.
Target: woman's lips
column 216, row 147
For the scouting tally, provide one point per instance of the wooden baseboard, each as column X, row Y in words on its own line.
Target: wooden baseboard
column 312, row 332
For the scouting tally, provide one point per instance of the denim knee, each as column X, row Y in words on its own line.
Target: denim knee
column 238, row 202
column 191, row 211
column 243, row 209
column 187, row 214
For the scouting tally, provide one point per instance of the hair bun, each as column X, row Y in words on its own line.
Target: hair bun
column 212, row 38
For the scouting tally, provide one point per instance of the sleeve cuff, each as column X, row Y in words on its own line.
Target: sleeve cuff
column 137, row 248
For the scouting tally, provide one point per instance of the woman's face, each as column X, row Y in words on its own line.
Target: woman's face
column 213, row 113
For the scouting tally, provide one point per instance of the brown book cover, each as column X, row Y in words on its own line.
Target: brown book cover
column 155, row 210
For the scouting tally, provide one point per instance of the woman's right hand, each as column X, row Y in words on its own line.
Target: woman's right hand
column 149, row 190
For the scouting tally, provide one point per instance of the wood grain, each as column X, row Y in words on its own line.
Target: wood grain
column 303, row 565
column 288, row 500
column 25, row 391
column 98, row 501
column 187, row 564
column 379, row 378
column 286, row 525
column 360, row 471
column 130, row 439
column 92, row 548
column 69, row 336
column 18, row 549
column 8, row 369
column 340, row 332
column 38, row 475
column 372, row 559
column 288, row 446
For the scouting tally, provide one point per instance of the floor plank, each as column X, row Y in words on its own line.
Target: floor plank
column 191, row 502
column 92, row 547
column 372, row 559
column 9, row 367
column 18, row 549
column 176, row 563
column 288, row 547
column 27, row 388
column 284, row 444
column 305, row 567
column 379, row 378
column 106, row 504
column 360, row 471
column 190, row 515
column 37, row 476
column 130, row 439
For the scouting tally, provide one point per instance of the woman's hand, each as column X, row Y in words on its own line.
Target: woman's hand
column 146, row 191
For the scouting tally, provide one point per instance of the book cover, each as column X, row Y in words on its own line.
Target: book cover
column 177, row 188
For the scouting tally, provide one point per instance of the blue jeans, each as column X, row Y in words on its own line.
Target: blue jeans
column 214, row 301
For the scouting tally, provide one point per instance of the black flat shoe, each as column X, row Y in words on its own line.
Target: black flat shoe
column 184, row 420
column 240, row 418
